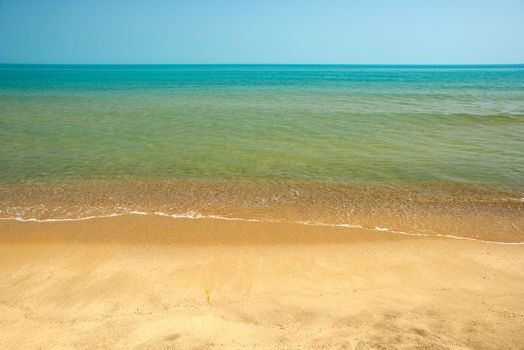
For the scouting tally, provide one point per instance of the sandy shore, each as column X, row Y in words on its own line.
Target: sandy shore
column 155, row 282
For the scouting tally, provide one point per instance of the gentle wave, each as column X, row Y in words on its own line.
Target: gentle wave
column 377, row 124
column 196, row 215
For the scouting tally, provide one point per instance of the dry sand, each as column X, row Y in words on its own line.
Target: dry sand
column 159, row 283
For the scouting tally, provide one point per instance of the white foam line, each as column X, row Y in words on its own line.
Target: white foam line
column 442, row 236
column 195, row 215
column 17, row 218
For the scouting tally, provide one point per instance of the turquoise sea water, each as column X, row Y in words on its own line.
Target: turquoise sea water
column 325, row 124
column 428, row 150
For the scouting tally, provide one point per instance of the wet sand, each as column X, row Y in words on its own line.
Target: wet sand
column 493, row 213
column 156, row 282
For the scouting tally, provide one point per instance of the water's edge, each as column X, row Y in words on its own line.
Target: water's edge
column 445, row 210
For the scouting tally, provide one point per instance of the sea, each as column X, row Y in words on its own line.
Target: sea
column 421, row 150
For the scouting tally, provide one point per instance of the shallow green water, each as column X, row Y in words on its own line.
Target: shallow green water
column 345, row 124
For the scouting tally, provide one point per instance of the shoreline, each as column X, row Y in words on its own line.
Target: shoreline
column 160, row 230
column 153, row 282
column 485, row 214
column 193, row 216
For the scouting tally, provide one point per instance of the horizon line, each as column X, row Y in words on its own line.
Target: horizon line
column 265, row 64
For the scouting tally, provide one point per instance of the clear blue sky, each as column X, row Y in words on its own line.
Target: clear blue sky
column 263, row 31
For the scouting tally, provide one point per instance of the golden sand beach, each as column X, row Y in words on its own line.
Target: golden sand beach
column 262, row 175
column 151, row 282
